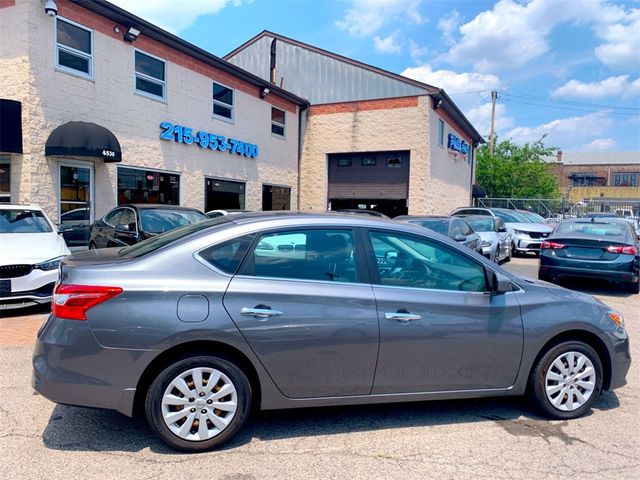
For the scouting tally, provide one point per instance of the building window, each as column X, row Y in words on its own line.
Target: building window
column 368, row 162
column 584, row 180
column 277, row 121
column 148, row 186
column 394, row 162
column 275, row 198
column 440, row 132
column 74, row 48
column 222, row 101
column 150, row 75
column 223, row 195
column 626, row 179
column 5, row 179
column 344, row 162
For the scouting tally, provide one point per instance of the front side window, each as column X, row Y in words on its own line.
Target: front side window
column 226, row 256
column 113, row 217
column 74, row 48
column 323, row 255
column 150, row 75
column 277, row 121
column 440, row 132
column 407, row 261
column 148, row 186
column 222, row 101
column 128, row 218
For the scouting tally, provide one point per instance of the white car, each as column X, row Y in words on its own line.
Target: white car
column 31, row 251
column 495, row 238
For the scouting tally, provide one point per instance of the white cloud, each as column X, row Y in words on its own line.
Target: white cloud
column 416, row 51
column 171, row 15
column 388, row 45
column 448, row 25
column 600, row 144
column 366, row 17
column 564, row 132
column 622, row 42
column 453, row 82
column 609, row 87
column 480, row 117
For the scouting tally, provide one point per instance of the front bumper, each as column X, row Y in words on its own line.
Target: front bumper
column 523, row 243
column 70, row 367
column 620, row 359
column 32, row 289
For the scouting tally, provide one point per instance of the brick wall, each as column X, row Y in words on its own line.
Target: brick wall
column 605, row 172
column 364, row 105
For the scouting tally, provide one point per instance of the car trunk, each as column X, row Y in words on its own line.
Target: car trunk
column 587, row 248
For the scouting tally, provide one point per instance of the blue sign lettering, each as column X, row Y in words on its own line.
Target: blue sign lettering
column 211, row 141
column 457, row 144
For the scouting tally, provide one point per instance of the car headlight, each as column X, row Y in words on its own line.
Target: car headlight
column 486, row 243
column 49, row 264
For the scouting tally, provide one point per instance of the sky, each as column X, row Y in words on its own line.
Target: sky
column 568, row 70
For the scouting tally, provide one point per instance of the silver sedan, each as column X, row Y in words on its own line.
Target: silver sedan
column 195, row 327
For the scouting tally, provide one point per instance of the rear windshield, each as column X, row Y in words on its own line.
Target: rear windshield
column 154, row 243
column 161, row 220
column 592, row 228
column 23, row 221
column 481, row 224
column 440, row 226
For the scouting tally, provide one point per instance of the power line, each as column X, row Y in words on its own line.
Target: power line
column 568, row 108
column 568, row 102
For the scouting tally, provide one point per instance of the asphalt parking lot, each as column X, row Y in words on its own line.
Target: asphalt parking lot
column 495, row 438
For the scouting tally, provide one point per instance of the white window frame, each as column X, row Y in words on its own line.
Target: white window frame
column 150, row 78
column 283, row 125
column 441, row 132
column 231, row 107
column 73, row 51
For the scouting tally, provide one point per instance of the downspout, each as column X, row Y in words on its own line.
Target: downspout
column 301, row 110
column 473, row 164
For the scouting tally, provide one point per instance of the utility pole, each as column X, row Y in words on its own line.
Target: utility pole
column 494, row 97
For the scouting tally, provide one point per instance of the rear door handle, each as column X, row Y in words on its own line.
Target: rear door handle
column 402, row 316
column 259, row 312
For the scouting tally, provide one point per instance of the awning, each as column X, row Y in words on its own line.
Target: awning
column 10, row 126
column 83, row 139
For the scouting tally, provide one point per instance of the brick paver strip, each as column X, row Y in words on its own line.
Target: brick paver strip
column 20, row 331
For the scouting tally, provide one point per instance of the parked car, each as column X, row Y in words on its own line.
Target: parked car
column 198, row 326
column 631, row 220
column 360, row 211
column 31, row 250
column 452, row 227
column 535, row 218
column 221, row 213
column 129, row 224
column 79, row 222
column 526, row 235
column 593, row 248
column 494, row 237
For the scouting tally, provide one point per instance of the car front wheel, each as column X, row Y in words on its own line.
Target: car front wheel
column 566, row 380
column 198, row 403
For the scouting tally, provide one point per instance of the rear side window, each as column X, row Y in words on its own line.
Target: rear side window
column 227, row 256
column 324, row 255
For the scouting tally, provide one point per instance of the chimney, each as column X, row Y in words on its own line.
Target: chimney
column 272, row 63
column 559, row 156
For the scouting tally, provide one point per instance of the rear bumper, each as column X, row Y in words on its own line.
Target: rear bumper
column 610, row 275
column 619, row 270
column 70, row 367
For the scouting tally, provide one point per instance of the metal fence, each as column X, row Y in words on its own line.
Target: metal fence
column 556, row 209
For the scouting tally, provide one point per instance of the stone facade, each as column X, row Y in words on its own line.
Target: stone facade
column 437, row 184
column 51, row 97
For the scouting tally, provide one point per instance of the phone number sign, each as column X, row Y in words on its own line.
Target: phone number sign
column 207, row 140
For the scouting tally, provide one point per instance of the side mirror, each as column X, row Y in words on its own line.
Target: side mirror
column 459, row 238
column 503, row 230
column 63, row 228
column 125, row 229
column 498, row 283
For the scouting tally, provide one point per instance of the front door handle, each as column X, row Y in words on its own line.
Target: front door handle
column 260, row 312
column 402, row 316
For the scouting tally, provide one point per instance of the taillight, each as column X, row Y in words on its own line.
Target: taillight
column 624, row 249
column 551, row 245
column 72, row 301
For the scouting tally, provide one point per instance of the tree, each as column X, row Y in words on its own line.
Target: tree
column 517, row 171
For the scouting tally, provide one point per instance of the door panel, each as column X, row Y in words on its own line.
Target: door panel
column 325, row 341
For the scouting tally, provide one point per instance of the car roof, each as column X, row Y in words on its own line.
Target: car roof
column 156, row 206
column 20, row 206
column 423, row 217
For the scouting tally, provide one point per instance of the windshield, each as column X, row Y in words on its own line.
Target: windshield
column 534, row 217
column 440, row 226
column 23, row 221
column 154, row 243
column 481, row 224
column 592, row 228
column 511, row 216
column 161, row 220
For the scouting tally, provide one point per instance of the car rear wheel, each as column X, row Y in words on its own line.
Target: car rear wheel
column 92, row 246
column 198, row 403
column 566, row 380
column 633, row 287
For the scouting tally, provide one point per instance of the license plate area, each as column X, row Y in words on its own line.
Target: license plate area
column 5, row 287
column 582, row 252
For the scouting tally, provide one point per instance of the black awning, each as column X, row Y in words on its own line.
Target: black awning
column 10, row 126
column 84, row 139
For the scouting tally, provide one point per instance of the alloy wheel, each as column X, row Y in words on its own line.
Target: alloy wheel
column 199, row 404
column 570, row 381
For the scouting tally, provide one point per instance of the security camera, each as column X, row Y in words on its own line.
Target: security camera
column 265, row 91
column 50, row 8
column 131, row 35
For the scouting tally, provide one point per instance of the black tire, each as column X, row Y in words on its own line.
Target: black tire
column 92, row 246
column 536, row 387
column 153, row 402
column 633, row 287
column 544, row 277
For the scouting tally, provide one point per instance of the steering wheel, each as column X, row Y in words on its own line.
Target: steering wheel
column 418, row 274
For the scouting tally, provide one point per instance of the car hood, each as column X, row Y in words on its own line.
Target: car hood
column 31, row 247
column 530, row 227
column 556, row 290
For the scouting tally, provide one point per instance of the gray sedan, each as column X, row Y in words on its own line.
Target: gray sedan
column 197, row 326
